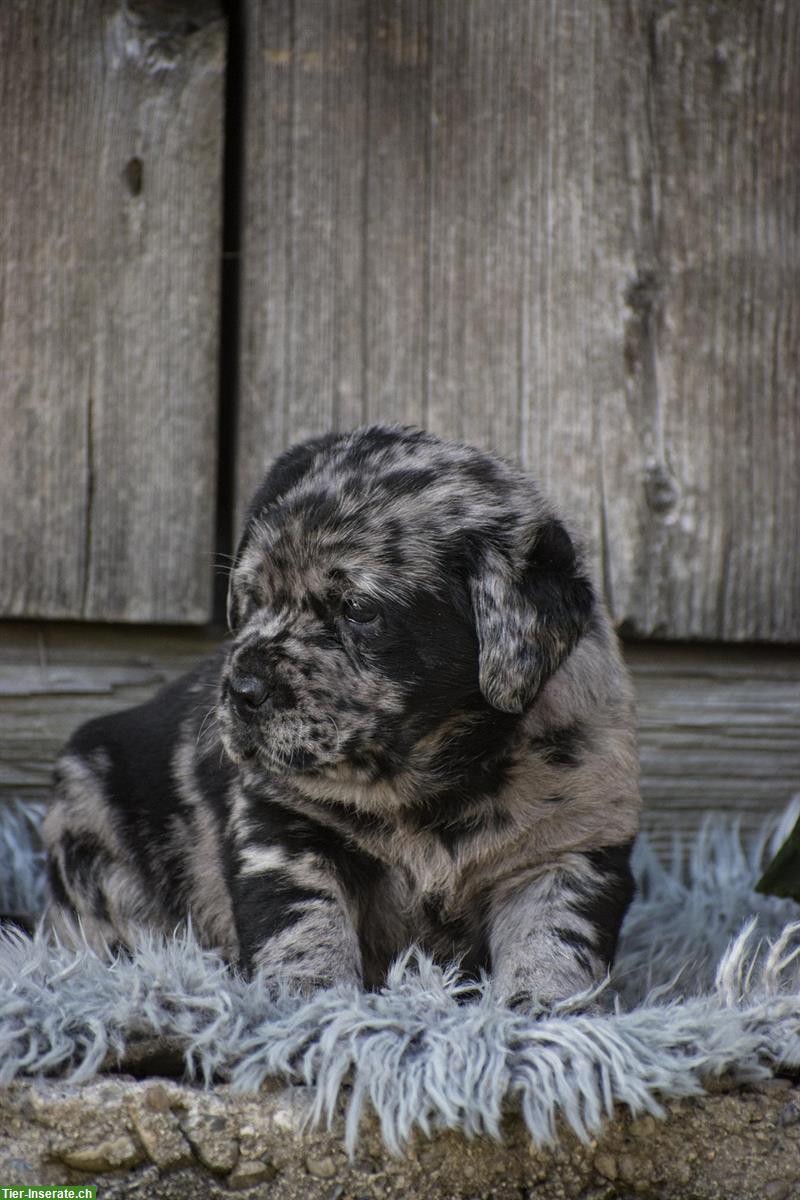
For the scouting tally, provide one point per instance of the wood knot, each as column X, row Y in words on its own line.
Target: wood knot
column 660, row 488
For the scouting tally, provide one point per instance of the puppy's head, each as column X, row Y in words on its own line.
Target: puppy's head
column 386, row 583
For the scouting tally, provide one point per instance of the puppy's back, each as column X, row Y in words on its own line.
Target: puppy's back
column 134, row 830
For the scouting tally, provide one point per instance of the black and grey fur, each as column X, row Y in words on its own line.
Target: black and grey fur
column 421, row 731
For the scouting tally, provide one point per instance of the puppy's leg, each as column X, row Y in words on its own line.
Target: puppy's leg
column 555, row 932
column 295, row 922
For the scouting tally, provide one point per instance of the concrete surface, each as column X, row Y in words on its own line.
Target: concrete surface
column 158, row 1138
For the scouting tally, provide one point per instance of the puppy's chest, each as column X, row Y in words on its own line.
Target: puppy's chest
column 427, row 909
column 422, row 887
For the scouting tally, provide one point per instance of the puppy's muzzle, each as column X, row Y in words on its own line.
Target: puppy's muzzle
column 249, row 694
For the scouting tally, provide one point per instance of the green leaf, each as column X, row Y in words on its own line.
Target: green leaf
column 782, row 876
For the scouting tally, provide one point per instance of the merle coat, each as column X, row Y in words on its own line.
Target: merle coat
column 420, row 731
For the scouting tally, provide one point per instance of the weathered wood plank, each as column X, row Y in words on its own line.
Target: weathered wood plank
column 303, row 212
column 576, row 241
column 483, row 85
column 719, row 730
column 396, row 215
column 714, row 330
column 111, row 120
column 534, row 214
column 266, row 256
column 719, row 727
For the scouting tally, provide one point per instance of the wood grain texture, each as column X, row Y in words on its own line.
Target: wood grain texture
column 714, row 328
column 303, row 205
column 719, row 730
column 111, row 119
column 719, row 727
column 397, row 201
column 565, row 231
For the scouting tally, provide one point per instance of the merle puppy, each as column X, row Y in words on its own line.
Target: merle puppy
column 420, row 732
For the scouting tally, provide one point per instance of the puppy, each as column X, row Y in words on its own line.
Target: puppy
column 420, row 732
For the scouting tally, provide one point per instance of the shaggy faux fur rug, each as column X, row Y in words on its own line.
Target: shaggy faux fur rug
column 707, row 983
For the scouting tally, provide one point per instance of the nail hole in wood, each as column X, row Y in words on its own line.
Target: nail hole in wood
column 134, row 175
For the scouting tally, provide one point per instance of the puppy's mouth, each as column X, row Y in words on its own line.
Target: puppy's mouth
column 271, row 748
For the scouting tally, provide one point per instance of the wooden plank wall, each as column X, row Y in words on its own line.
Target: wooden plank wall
column 111, row 125
column 569, row 231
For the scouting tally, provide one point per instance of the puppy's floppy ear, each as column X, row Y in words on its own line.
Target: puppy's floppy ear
column 530, row 609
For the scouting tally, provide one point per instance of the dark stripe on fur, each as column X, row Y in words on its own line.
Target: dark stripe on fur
column 269, row 903
column 561, row 747
column 275, row 824
column 578, row 943
column 606, row 903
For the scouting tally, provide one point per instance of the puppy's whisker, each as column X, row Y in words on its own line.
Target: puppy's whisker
column 204, row 725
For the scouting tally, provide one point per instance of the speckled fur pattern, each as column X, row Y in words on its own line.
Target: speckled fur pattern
column 420, row 731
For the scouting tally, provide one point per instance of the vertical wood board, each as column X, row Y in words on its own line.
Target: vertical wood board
column 714, row 330
column 111, row 121
column 397, row 201
column 302, row 210
column 568, row 232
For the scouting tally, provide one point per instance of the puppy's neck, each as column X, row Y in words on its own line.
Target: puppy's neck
column 462, row 753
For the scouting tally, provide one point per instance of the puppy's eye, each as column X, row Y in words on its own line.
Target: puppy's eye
column 359, row 610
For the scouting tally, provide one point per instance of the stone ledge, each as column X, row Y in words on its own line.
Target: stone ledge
column 163, row 1139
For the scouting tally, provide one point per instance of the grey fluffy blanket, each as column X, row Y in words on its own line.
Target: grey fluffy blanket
column 707, row 983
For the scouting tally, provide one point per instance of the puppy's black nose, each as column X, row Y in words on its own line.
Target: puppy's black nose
column 248, row 692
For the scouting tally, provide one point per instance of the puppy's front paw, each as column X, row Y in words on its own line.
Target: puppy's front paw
column 592, row 1002
column 527, row 1004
